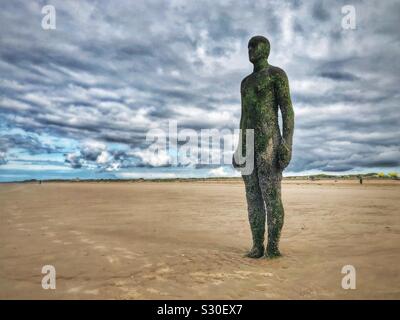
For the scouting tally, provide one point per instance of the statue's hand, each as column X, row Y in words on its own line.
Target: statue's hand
column 235, row 165
column 284, row 154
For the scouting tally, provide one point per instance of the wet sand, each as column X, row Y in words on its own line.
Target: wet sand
column 186, row 240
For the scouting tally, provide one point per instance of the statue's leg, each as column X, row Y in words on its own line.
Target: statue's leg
column 275, row 219
column 256, row 210
column 270, row 184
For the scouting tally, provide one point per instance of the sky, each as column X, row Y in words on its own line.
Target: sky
column 78, row 101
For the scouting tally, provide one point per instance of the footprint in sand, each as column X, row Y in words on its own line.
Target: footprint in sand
column 129, row 292
column 75, row 289
column 113, row 259
column 155, row 291
column 164, row 270
column 86, row 240
column 81, row 289
column 50, row 234
column 129, row 257
column 217, row 277
column 127, row 253
column 92, row 292
column 101, row 248
column 78, row 233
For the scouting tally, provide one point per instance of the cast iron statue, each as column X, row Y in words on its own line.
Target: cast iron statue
column 263, row 93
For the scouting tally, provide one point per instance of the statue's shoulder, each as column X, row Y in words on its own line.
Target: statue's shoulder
column 277, row 72
column 243, row 83
column 245, row 79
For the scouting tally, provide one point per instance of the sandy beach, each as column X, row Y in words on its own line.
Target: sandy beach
column 186, row 240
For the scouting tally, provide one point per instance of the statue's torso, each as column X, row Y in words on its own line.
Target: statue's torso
column 260, row 108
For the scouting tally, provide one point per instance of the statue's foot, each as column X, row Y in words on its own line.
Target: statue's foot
column 272, row 253
column 255, row 252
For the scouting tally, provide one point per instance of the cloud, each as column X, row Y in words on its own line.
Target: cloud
column 94, row 155
column 74, row 159
column 153, row 159
column 218, row 172
column 30, row 143
column 109, row 73
column 3, row 159
column 344, row 76
column 93, row 150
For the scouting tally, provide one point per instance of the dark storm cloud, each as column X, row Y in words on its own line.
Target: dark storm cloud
column 31, row 144
column 319, row 12
column 345, row 76
column 111, row 71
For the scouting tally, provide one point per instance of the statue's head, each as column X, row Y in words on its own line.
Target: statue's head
column 258, row 48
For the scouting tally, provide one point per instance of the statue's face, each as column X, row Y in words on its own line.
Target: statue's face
column 257, row 50
column 253, row 55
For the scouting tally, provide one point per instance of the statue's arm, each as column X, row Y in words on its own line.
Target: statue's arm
column 241, row 125
column 285, row 105
column 242, row 115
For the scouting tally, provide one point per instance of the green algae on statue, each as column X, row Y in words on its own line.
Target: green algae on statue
column 263, row 93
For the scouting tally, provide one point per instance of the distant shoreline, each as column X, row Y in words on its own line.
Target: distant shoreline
column 367, row 176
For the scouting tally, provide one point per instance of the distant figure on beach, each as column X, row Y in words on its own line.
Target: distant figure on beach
column 263, row 92
column 361, row 180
